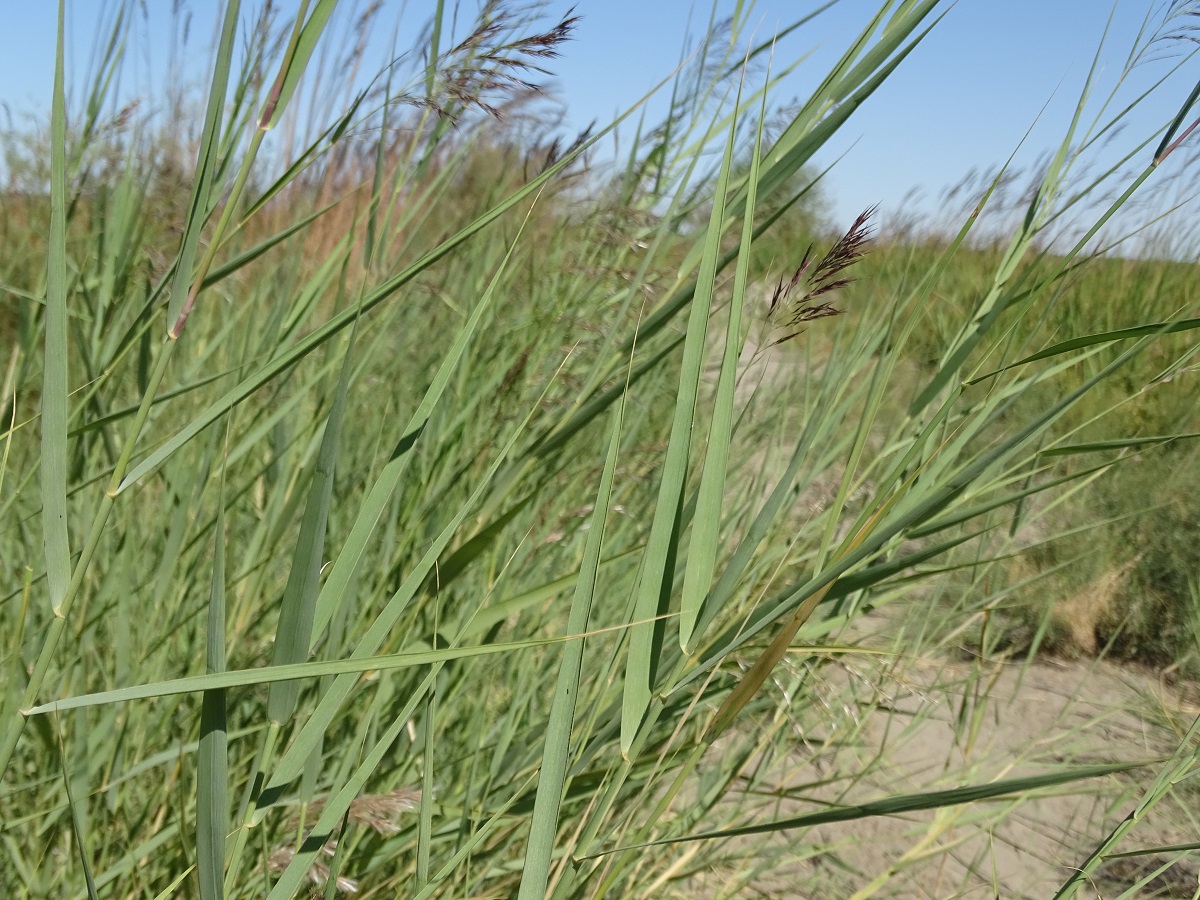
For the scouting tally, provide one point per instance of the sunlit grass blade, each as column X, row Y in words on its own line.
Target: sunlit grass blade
column 543, row 825
column 212, row 768
column 304, row 41
column 657, row 573
column 54, row 380
column 848, row 88
column 703, row 550
column 206, row 168
column 905, row 803
column 1095, row 340
column 171, row 890
column 294, row 636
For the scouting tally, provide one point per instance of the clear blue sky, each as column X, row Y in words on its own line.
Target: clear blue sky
column 964, row 99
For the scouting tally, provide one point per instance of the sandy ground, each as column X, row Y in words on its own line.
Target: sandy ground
column 1041, row 712
column 934, row 726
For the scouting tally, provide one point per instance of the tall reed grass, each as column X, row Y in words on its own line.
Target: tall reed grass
column 396, row 498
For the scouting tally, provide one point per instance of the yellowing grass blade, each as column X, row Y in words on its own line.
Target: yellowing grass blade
column 304, row 42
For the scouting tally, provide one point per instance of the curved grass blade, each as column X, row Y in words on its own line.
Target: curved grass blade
column 1093, row 340
column 902, row 803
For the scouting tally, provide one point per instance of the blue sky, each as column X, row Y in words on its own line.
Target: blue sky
column 965, row 99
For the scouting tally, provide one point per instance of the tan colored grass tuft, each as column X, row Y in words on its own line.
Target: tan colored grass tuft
column 318, row 872
column 379, row 812
column 1083, row 617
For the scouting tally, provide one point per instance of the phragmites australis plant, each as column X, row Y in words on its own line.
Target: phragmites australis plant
column 385, row 506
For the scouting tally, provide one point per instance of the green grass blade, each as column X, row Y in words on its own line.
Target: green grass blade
column 55, row 390
column 206, row 169
column 657, row 574
column 244, row 259
column 1164, row 145
column 435, row 37
column 1118, row 444
column 237, row 678
column 469, row 846
column 80, row 832
column 703, row 550
column 295, row 61
column 171, row 890
column 212, row 764
column 905, row 803
column 1094, row 340
column 294, row 636
column 553, row 775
